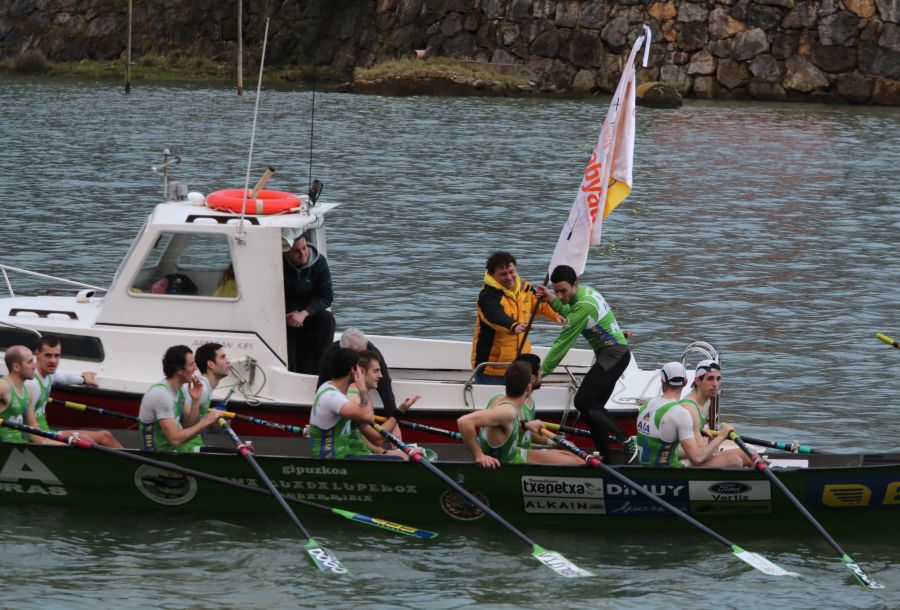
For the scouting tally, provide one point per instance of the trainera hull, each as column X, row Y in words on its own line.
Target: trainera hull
column 549, row 496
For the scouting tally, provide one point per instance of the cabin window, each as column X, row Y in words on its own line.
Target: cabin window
column 75, row 347
column 188, row 264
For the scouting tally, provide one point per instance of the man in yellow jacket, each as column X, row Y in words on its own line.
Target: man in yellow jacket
column 503, row 309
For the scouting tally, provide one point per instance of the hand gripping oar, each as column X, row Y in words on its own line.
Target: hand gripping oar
column 551, row 559
column 758, row 463
column 324, row 559
column 575, row 431
column 888, row 340
column 794, row 447
column 81, row 443
column 423, row 428
column 229, row 414
column 752, row 559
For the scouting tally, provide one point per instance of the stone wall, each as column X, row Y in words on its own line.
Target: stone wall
column 808, row 50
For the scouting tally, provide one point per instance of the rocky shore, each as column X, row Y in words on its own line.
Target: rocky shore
column 844, row 51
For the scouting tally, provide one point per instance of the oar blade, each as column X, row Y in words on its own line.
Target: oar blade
column 861, row 576
column 760, row 563
column 324, row 559
column 391, row 526
column 558, row 563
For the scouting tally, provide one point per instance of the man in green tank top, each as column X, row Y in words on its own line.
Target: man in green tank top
column 494, row 436
column 214, row 366
column 47, row 374
column 163, row 427
column 706, row 386
column 340, row 409
column 14, row 395
column 665, row 425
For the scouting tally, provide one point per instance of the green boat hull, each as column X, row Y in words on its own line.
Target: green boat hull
column 860, row 498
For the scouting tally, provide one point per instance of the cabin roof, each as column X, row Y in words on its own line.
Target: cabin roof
column 187, row 214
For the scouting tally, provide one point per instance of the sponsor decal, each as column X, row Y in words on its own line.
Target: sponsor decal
column 852, row 494
column 730, row 497
column 579, row 495
column 622, row 499
column 164, row 486
column 24, row 473
column 855, row 491
column 460, row 507
column 730, row 491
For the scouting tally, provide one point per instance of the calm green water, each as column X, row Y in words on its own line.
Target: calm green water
column 767, row 230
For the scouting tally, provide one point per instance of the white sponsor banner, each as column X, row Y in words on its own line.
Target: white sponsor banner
column 729, row 491
column 575, row 495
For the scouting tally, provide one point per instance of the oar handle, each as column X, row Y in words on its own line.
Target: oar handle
column 888, row 340
column 88, row 409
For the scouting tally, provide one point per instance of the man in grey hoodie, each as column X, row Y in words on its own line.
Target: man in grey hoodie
column 307, row 296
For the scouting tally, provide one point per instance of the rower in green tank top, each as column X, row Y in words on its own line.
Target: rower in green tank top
column 214, row 366
column 341, row 413
column 537, row 447
column 14, row 397
column 46, row 375
column 162, row 407
column 494, row 435
column 665, row 424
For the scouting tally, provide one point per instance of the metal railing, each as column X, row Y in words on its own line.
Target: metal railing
column 12, row 293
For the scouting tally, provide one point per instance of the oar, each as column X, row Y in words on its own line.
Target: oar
column 794, row 447
column 229, row 414
column 888, row 340
column 81, row 443
column 752, row 559
column 551, row 559
column 324, row 559
column 759, row 464
column 423, row 428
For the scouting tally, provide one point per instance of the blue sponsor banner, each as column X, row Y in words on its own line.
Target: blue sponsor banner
column 623, row 500
column 857, row 490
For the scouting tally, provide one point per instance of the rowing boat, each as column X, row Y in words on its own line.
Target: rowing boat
column 834, row 487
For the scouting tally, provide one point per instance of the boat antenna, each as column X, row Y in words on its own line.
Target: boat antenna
column 312, row 123
column 262, row 62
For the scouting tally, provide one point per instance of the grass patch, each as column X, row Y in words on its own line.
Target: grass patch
column 152, row 67
column 442, row 67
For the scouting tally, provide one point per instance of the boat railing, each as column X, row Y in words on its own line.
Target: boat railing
column 572, row 386
column 701, row 347
column 5, row 268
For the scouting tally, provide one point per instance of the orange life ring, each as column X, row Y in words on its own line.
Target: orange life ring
column 266, row 202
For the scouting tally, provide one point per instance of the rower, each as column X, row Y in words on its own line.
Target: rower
column 706, row 386
column 493, row 435
column 370, row 362
column 664, row 424
column 527, row 441
column 214, row 366
column 14, row 394
column 338, row 412
column 47, row 374
column 163, row 427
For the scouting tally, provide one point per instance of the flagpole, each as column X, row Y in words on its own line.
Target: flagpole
column 612, row 136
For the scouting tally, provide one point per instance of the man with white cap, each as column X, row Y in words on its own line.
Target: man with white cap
column 706, row 386
column 665, row 423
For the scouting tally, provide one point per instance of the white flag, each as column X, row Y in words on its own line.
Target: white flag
column 607, row 179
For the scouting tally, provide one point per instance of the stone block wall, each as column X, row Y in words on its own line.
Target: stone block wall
column 806, row 50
